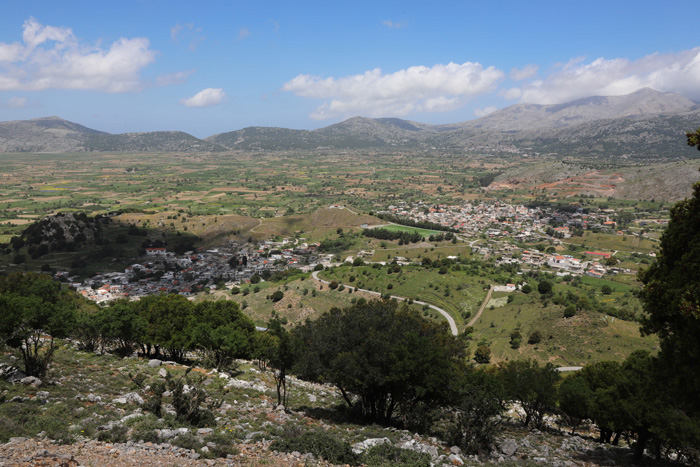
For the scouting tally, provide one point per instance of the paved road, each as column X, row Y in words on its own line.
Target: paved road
column 450, row 320
column 481, row 309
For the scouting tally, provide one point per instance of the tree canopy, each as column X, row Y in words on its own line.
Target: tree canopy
column 381, row 357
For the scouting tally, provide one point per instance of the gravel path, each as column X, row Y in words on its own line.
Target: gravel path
column 481, row 309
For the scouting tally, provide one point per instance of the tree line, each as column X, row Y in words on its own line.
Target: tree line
column 403, row 237
column 413, row 223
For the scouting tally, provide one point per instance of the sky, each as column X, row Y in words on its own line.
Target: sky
column 209, row 67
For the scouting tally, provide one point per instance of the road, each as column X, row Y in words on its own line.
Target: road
column 481, row 309
column 450, row 319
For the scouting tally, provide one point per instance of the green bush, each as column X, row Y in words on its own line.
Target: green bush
column 116, row 434
column 386, row 455
column 223, row 444
column 187, row 441
column 319, row 443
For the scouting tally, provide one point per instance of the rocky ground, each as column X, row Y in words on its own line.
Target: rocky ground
column 89, row 412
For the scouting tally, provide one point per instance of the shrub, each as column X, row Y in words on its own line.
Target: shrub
column 535, row 338
column 482, row 354
column 277, row 296
column 569, row 311
column 385, row 455
column 319, row 443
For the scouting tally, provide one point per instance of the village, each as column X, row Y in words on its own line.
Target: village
column 493, row 231
column 192, row 272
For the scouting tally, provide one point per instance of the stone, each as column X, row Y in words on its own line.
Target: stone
column 359, row 448
column 162, row 372
column 414, row 445
column 312, row 398
column 508, row 447
column 455, row 459
column 130, row 398
column 42, row 395
column 32, row 381
column 94, row 398
column 456, row 450
column 154, row 363
column 205, row 431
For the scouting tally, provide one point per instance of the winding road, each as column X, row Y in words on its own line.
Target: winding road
column 450, row 320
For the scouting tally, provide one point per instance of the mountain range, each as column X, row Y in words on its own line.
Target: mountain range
column 645, row 123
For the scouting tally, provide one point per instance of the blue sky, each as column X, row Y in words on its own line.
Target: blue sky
column 213, row 66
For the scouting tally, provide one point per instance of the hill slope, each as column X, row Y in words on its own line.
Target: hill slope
column 643, row 124
column 55, row 135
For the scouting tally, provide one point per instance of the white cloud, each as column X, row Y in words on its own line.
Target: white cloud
column 416, row 89
column 485, row 111
column 528, row 71
column 243, row 33
column 51, row 57
column 178, row 77
column 392, row 25
column 187, row 33
column 672, row 72
column 205, row 98
column 512, row 93
column 15, row 103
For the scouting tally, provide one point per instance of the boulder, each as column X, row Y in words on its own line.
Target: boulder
column 154, row 363
column 508, row 447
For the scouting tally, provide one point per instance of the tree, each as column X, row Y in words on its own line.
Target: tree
column 606, row 289
column 476, row 422
column 694, row 138
column 575, row 400
column 168, row 324
column 384, row 359
column 283, row 356
column 482, row 354
column 533, row 386
column 534, row 338
column 671, row 300
column 31, row 307
column 122, row 325
column 222, row 332
column 277, row 295
column 545, row 287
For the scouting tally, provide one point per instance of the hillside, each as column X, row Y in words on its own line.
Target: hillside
column 55, row 135
column 644, row 102
column 644, row 124
column 671, row 181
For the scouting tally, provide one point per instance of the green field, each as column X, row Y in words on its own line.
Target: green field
column 587, row 337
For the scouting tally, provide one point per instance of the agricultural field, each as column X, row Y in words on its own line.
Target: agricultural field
column 212, row 200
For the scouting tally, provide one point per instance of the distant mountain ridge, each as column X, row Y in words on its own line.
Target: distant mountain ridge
column 645, row 123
